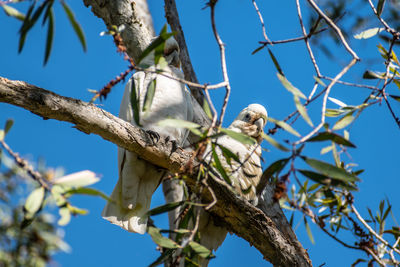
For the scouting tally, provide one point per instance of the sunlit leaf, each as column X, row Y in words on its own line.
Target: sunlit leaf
column 337, row 102
column 373, row 75
column 290, row 87
column 368, row 33
column 319, row 81
column 201, row 250
column 275, row 143
column 331, row 170
column 175, row 123
column 165, row 208
column 89, row 192
column 344, row 121
column 333, row 112
column 34, row 202
column 161, row 240
column 284, row 126
column 78, row 179
column 65, row 216
column 75, row 210
column 228, row 154
column 11, row 11
column 303, row 111
column 242, row 138
column 324, row 136
column 309, row 233
column 75, row 25
column 325, row 150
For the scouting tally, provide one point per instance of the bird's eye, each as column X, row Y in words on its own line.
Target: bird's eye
column 247, row 117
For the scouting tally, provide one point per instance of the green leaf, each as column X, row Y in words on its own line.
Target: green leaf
column 175, row 123
column 278, row 68
column 9, row 124
column 333, row 137
column 344, row 121
column 75, row 25
column 12, row 12
column 34, row 202
column 395, row 97
column 242, row 138
column 326, row 150
column 368, row 33
column 319, row 81
column 229, row 154
column 167, row 254
column 161, row 240
column 219, row 166
column 258, row 49
column 165, row 208
column 50, row 35
column 157, row 45
column 26, row 26
column 148, row 99
column 65, row 216
column 135, row 104
column 76, row 210
column 309, row 233
column 316, row 177
column 373, row 75
column 275, row 167
column 330, row 170
column 201, row 250
column 78, row 179
column 89, row 192
column 290, row 87
column 379, row 8
column 284, row 126
column 2, row 134
column 302, row 110
column 207, row 109
column 275, row 143
column 333, row 112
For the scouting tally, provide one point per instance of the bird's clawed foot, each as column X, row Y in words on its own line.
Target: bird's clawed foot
column 153, row 136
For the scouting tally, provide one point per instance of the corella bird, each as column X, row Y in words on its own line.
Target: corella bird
column 244, row 176
column 138, row 179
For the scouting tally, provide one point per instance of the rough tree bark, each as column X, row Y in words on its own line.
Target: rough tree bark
column 277, row 243
column 268, row 230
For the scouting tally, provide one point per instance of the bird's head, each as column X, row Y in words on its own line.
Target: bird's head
column 170, row 53
column 251, row 121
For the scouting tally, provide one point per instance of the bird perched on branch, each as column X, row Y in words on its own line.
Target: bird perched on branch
column 148, row 98
column 244, row 175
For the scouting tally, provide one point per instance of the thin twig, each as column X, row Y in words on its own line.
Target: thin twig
column 327, row 91
column 372, row 230
column 261, row 20
column 352, row 84
column 306, row 40
column 335, row 28
column 370, row 252
column 387, row 27
column 223, row 62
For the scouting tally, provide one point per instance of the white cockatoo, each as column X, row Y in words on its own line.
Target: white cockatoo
column 244, row 176
column 138, row 179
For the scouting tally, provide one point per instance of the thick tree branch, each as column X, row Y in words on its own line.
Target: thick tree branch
column 276, row 242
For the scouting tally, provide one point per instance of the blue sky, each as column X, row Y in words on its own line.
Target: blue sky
column 70, row 72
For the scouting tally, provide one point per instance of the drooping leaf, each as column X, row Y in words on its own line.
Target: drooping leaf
column 165, row 208
column 316, row 177
column 319, row 81
column 135, row 104
column 65, row 216
column 167, row 254
column 26, row 26
column 34, row 202
column 201, row 250
column 277, row 66
column 89, row 192
column 161, row 240
column 228, row 154
column 395, row 97
column 148, row 99
column 75, row 210
column 275, row 167
column 193, row 127
column 207, row 109
column 242, row 138
column 337, row 102
column 78, row 179
column 333, row 112
column 330, row 170
column 324, row 136
column 12, row 12
column 50, row 35
column 275, row 143
column 302, row 110
column 284, row 126
column 309, row 233
column 75, row 25
column 295, row 91
column 368, row 33
column 344, row 121
column 379, row 8
column 258, row 49
column 219, row 167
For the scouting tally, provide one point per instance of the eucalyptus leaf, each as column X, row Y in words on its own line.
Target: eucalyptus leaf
column 50, row 35
column 75, row 25
column 9, row 124
column 303, row 111
column 176, row 123
column 368, row 33
column 344, row 121
column 12, row 12
column 148, row 99
column 324, row 136
column 165, row 208
column 201, row 250
column 34, row 202
column 219, row 167
column 242, row 138
column 161, row 240
column 78, row 179
column 275, row 143
column 295, row 91
column 65, row 216
column 284, row 126
column 277, row 66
